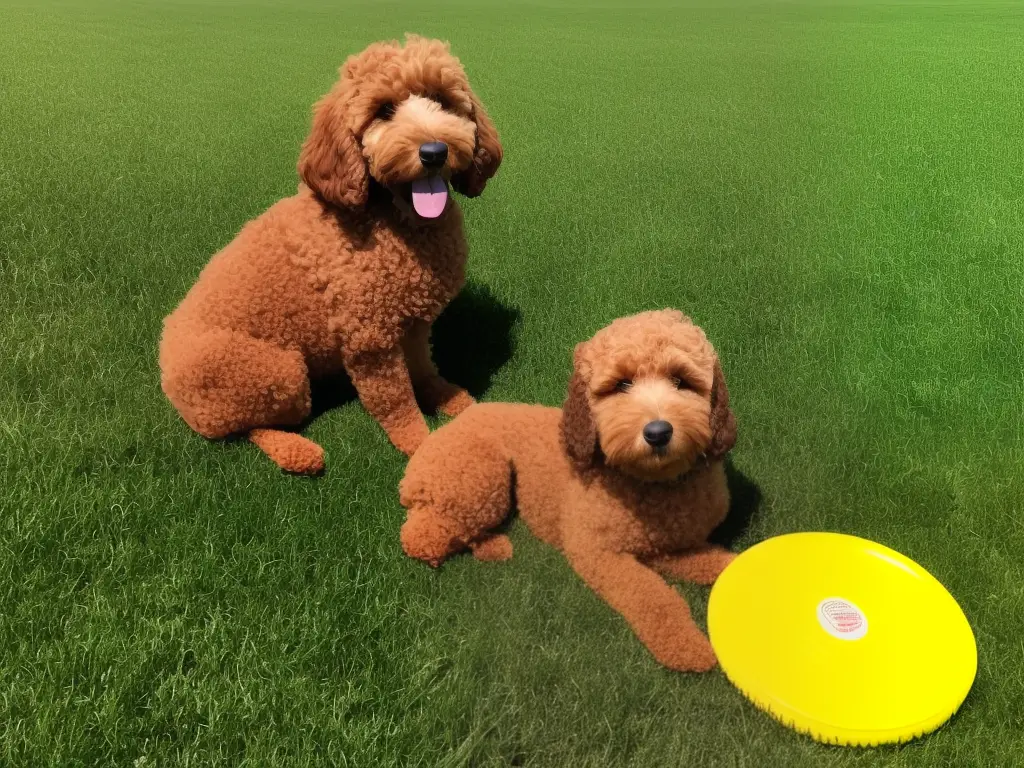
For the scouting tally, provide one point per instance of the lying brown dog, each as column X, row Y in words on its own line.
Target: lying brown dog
column 350, row 273
column 627, row 479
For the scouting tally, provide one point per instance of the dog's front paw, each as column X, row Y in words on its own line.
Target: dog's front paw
column 492, row 548
column 439, row 395
column 708, row 565
column 457, row 402
column 722, row 562
column 409, row 437
column 689, row 652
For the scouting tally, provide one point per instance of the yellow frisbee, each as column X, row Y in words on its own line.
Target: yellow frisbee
column 842, row 638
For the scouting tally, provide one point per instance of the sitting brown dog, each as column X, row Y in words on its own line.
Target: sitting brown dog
column 627, row 479
column 348, row 274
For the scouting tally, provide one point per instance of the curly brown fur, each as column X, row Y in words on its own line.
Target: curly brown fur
column 349, row 273
column 587, row 481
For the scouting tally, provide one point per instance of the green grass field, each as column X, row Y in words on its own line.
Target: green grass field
column 835, row 192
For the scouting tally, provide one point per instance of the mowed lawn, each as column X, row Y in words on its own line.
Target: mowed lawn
column 833, row 191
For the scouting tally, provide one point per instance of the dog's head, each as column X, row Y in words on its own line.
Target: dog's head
column 403, row 117
column 647, row 396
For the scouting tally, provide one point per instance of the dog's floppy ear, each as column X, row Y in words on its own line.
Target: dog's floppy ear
column 486, row 156
column 331, row 162
column 579, row 433
column 723, row 423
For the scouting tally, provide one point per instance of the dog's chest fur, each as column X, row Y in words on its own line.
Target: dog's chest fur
column 653, row 518
column 384, row 274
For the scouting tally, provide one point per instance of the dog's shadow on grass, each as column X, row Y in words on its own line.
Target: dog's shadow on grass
column 745, row 502
column 472, row 339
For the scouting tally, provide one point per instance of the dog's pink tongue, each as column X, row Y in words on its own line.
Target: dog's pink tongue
column 429, row 196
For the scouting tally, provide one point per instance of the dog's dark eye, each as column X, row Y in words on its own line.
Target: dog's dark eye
column 623, row 385
column 680, row 383
column 385, row 111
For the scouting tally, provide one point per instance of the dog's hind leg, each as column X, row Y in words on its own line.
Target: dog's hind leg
column 457, row 490
column 492, row 548
column 225, row 382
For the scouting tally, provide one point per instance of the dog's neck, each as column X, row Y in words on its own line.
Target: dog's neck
column 614, row 478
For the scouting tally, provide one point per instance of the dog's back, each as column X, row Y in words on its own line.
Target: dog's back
column 257, row 286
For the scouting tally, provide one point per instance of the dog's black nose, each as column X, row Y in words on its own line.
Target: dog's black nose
column 433, row 154
column 658, row 433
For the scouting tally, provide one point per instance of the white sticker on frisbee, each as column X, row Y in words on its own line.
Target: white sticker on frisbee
column 842, row 619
